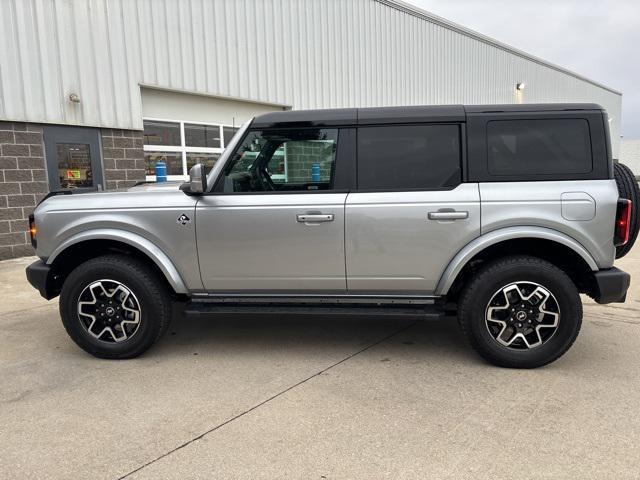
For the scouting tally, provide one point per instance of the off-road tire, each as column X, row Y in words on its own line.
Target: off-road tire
column 149, row 289
column 628, row 188
column 476, row 295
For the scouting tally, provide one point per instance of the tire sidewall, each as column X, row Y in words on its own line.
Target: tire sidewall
column 82, row 277
column 568, row 327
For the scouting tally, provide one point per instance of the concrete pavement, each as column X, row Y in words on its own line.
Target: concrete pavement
column 314, row 397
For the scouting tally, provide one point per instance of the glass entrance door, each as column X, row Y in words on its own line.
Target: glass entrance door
column 73, row 158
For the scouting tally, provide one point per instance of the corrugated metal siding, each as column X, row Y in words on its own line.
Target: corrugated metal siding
column 630, row 155
column 302, row 53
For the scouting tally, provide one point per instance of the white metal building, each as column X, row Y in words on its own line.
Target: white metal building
column 192, row 70
column 630, row 155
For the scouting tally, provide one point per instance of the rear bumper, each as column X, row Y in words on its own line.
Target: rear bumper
column 611, row 285
column 41, row 277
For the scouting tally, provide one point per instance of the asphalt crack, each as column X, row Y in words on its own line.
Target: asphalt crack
column 264, row 402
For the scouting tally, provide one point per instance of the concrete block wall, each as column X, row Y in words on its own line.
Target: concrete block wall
column 23, row 176
column 123, row 158
column 23, row 183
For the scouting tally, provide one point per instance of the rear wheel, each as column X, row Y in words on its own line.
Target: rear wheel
column 628, row 188
column 115, row 306
column 520, row 312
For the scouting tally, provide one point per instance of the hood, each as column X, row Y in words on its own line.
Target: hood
column 149, row 196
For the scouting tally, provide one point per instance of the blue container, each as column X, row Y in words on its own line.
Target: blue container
column 161, row 172
column 315, row 173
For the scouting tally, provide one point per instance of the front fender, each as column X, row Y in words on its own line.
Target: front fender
column 147, row 247
column 477, row 245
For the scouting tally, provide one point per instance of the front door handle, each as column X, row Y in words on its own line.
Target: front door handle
column 315, row 218
column 448, row 215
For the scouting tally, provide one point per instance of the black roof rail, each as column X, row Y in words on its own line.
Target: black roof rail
column 404, row 114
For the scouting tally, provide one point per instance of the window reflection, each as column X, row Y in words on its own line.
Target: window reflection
column 74, row 165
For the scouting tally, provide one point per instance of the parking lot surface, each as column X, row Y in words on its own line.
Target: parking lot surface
column 314, row 397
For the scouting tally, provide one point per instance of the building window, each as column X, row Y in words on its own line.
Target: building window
column 183, row 144
column 207, row 136
column 207, row 159
column 173, row 160
column 161, row 133
column 228, row 133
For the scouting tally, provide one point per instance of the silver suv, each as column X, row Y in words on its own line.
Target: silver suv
column 503, row 213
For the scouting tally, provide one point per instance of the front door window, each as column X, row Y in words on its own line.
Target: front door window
column 283, row 161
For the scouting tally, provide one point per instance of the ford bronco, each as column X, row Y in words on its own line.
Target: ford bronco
column 504, row 214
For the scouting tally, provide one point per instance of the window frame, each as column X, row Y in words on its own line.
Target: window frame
column 183, row 149
column 344, row 174
column 462, row 136
column 478, row 154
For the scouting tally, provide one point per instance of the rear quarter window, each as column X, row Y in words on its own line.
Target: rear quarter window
column 539, row 147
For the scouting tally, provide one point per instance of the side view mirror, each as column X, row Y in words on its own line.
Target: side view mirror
column 197, row 179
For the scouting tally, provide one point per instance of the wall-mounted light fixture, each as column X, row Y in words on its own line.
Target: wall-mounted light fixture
column 73, row 97
column 520, row 86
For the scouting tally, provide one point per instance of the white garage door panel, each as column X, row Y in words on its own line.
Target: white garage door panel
column 199, row 108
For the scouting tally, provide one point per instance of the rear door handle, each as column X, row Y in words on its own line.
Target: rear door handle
column 451, row 215
column 315, row 218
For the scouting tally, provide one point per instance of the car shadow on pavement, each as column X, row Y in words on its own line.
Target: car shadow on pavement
column 312, row 333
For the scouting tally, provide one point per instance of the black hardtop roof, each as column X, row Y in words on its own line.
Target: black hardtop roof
column 409, row 114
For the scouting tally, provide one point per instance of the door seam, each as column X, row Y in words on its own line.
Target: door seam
column 344, row 242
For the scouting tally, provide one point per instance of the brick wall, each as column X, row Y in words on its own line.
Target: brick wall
column 23, row 182
column 123, row 158
column 23, row 177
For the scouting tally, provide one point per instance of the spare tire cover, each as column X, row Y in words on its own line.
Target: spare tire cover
column 628, row 188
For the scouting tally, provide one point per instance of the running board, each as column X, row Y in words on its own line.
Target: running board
column 316, row 299
column 208, row 307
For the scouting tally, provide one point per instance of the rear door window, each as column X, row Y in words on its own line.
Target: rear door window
column 539, row 147
column 409, row 157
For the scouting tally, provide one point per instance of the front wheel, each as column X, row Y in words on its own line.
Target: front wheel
column 115, row 306
column 520, row 312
